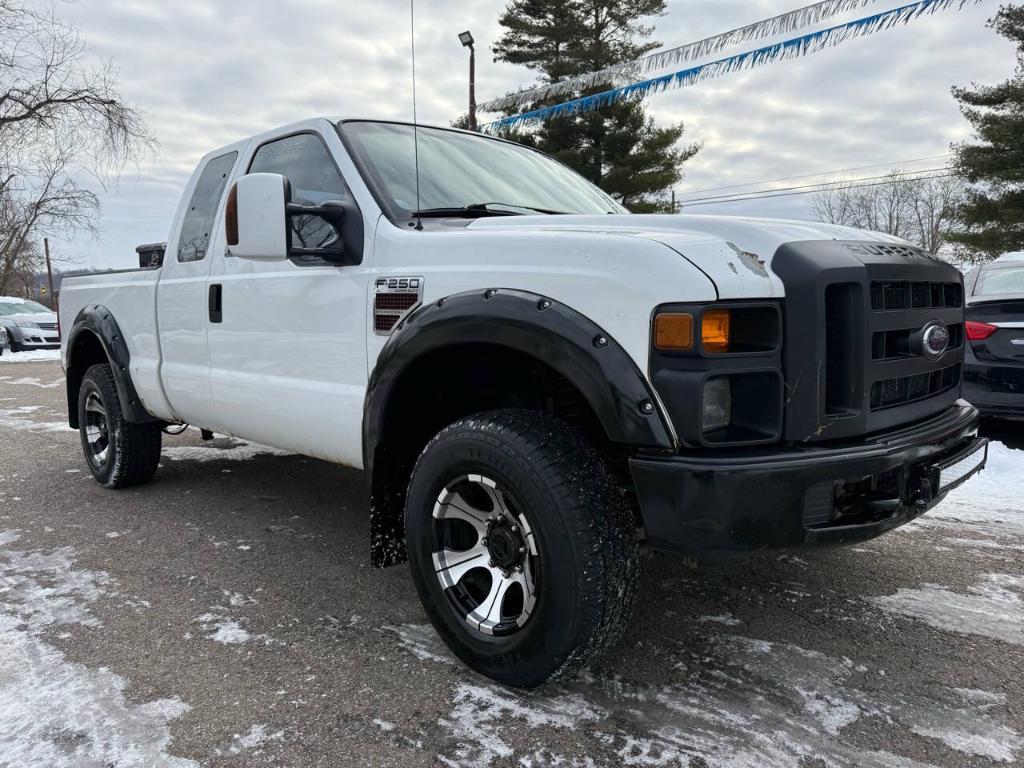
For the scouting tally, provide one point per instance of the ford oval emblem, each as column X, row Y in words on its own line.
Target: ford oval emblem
column 935, row 339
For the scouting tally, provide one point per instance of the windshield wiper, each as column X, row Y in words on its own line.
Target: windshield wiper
column 483, row 209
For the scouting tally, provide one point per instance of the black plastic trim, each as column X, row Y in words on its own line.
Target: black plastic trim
column 725, row 503
column 99, row 321
column 679, row 376
column 559, row 336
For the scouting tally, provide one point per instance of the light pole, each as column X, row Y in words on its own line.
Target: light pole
column 466, row 38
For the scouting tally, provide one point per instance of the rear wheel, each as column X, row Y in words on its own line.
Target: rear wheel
column 522, row 547
column 119, row 453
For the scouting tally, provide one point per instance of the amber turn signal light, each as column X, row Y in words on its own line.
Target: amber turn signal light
column 673, row 331
column 714, row 330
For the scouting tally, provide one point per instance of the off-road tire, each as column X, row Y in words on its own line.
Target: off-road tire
column 584, row 528
column 133, row 449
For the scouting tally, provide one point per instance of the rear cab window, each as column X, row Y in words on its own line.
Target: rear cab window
column 202, row 208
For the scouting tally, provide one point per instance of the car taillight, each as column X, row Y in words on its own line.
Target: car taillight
column 979, row 331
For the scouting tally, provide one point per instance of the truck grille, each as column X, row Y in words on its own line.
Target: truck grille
column 918, row 294
column 855, row 320
column 909, row 389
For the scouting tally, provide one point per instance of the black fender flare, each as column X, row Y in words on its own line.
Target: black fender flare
column 621, row 397
column 99, row 321
column 577, row 348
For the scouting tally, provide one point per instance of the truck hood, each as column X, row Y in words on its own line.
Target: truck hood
column 734, row 252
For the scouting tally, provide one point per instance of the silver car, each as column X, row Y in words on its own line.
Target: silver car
column 29, row 324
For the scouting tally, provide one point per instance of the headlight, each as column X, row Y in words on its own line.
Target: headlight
column 25, row 324
column 717, row 404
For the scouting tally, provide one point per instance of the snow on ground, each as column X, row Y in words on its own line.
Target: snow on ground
column 251, row 740
column 31, row 356
column 15, row 418
column 993, row 608
column 33, row 381
column 990, row 503
column 748, row 703
column 56, row 712
column 239, row 450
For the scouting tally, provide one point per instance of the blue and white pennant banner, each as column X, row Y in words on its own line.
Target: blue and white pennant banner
column 804, row 45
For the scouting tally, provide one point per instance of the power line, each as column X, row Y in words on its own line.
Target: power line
column 811, row 175
column 818, row 185
column 763, row 196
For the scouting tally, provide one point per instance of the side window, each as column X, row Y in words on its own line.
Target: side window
column 314, row 177
column 202, row 208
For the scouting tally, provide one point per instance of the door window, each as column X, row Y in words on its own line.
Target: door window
column 315, row 179
column 202, row 208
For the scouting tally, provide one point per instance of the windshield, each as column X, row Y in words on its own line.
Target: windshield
column 1000, row 280
column 22, row 308
column 459, row 170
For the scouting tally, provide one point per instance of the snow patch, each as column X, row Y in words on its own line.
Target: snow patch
column 748, row 703
column 32, row 381
column 9, row 419
column 990, row 502
column 222, row 629
column 992, row 608
column 30, row 356
column 59, row 713
column 237, row 451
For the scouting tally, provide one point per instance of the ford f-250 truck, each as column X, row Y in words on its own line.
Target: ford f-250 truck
column 536, row 383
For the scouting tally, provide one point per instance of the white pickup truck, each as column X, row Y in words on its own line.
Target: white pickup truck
column 537, row 384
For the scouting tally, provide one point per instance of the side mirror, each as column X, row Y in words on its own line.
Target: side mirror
column 255, row 217
column 263, row 224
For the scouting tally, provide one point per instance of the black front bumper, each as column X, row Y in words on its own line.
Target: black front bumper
column 767, row 501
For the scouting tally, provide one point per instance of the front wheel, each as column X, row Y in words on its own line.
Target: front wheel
column 523, row 549
column 119, row 453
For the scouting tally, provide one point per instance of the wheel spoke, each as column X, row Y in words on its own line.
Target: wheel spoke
column 451, row 506
column 498, row 505
column 452, row 565
column 488, row 614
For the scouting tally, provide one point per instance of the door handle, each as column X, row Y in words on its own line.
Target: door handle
column 216, row 310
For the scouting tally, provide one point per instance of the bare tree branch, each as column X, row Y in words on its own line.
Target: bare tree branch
column 61, row 120
column 920, row 210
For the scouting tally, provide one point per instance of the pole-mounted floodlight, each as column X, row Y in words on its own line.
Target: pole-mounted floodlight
column 466, row 38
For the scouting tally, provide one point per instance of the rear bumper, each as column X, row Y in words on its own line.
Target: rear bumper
column 996, row 389
column 790, row 498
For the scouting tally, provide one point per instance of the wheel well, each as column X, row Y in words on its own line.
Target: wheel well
column 445, row 385
column 86, row 351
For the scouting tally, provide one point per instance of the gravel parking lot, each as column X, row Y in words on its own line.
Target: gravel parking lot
column 226, row 614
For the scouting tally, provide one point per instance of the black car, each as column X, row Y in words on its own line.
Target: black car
column 994, row 360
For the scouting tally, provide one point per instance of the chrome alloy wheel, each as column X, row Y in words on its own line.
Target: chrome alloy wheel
column 485, row 556
column 97, row 430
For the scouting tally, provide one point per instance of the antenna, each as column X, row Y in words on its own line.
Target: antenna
column 415, row 122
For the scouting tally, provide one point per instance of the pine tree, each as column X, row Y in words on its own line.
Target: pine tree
column 993, row 216
column 618, row 147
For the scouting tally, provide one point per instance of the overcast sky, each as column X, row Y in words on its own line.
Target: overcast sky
column 206, row 73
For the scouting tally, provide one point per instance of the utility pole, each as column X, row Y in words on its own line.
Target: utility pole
column 674, row 209
column 49, row 271
column 466, row 38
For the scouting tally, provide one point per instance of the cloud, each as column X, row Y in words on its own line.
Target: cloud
column 208, row 73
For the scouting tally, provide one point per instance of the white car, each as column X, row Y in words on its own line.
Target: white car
column 536, row 383
column 29, row 324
